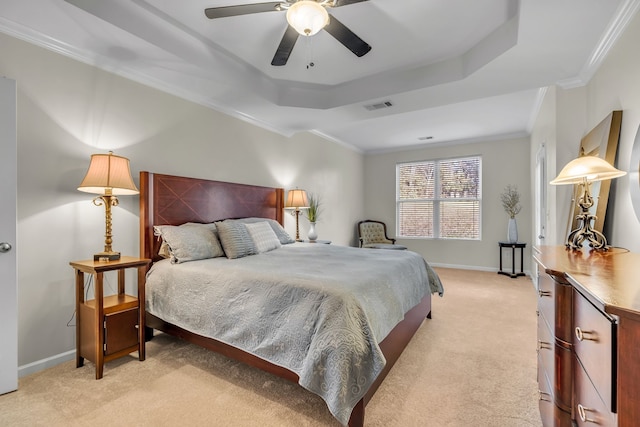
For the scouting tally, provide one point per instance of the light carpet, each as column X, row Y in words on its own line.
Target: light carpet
column 472, row 364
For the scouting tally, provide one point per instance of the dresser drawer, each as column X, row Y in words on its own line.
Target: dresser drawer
column 589, row 409
column 545, row 397
column 546, row 286
column 545, row 346
column 594, row 345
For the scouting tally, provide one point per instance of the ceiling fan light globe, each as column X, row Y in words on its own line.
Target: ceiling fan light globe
column 307, row 17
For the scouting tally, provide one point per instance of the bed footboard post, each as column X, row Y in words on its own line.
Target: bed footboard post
column 357, row 415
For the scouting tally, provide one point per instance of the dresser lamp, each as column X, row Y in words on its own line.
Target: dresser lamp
column 583, row 171
column 109, row 176
column 297, row 199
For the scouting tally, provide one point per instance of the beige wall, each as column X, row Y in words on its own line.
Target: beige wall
column 615, row 86
column 503, row 162
column 68, row 110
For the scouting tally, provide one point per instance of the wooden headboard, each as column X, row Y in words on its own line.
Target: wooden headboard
column 174, row 200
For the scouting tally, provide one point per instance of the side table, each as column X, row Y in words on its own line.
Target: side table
column 113, row 326
column 513, row 247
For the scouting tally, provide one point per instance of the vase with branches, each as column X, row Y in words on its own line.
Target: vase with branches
column 510, row 199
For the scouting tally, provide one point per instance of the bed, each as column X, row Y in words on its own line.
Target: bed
column 309, row 340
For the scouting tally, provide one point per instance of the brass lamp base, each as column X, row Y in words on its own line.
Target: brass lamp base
column 107, row 256
column 585, row 233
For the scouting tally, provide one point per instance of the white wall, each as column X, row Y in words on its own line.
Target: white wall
column 68, row 110
column 615, row 86
column 503, row 162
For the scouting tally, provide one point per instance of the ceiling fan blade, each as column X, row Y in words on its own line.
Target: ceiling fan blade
column 347, row 37
column 286, row 46
column 243, row 9
column 339, row 3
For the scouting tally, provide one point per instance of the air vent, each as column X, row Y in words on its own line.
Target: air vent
column 372, row 107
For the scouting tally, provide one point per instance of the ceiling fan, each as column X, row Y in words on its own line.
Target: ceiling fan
column 305, row 17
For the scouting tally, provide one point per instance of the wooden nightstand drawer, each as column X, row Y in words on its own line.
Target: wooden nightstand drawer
column 589, row 408
column 594, row 346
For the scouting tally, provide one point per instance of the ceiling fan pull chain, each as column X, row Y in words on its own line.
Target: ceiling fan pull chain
column 309, row 41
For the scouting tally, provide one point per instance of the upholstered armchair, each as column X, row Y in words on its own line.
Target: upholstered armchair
column 373, row 234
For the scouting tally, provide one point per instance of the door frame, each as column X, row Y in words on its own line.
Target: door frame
column 8, row 225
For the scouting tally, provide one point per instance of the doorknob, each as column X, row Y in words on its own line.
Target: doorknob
column 5, row 247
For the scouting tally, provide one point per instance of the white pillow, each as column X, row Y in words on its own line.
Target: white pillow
column 283, row 236
column 263, row 236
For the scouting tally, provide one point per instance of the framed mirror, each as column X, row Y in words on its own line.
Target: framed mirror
column 601, row 141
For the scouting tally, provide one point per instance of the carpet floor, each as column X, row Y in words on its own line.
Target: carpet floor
column 472, row 364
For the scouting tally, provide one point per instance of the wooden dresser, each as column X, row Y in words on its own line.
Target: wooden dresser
column 588, row 337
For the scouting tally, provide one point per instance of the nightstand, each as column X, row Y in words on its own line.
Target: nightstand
column 113, row 326
column 326, row 242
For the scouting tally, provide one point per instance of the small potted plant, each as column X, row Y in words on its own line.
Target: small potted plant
column 313, row 213
column 510, row 198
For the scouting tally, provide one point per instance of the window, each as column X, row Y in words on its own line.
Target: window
column 439, row 198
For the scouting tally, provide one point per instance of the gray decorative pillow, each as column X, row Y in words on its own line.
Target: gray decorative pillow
column 189, row 242
column 282, row 234
column 263, row 236
column 235, row 239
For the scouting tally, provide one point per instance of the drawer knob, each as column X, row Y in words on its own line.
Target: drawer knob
column 582, row 335
column 582, row 413
column 543, row 344
column 546, row 397
column 544, row 293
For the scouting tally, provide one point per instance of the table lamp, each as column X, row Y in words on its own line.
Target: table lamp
column 583, row 171
column 109, row 176
column 297, row 199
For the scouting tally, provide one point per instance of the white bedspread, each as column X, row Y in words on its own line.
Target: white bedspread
column 317, row 310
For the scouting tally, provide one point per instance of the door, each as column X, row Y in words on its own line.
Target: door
column 540, row 201
column 8, row 276
column 541, row 196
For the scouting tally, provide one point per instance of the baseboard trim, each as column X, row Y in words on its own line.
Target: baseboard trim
column 462, row 267
column 471, row 267
column 49, row 362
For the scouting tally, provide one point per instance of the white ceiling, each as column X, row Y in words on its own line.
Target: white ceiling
column 453, row 70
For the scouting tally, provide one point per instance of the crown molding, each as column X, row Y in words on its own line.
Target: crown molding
column 36, row 38
column 617, row 26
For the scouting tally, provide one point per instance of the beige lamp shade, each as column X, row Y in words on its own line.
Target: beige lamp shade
column 307, row 17
column 590, row 168
column 296, row 199
column 108, row 174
